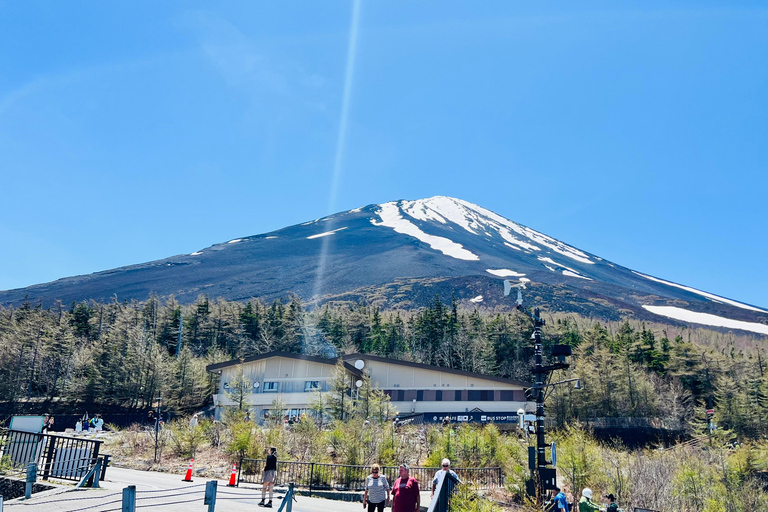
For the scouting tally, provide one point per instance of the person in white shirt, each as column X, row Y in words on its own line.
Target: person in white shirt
column 376, row 490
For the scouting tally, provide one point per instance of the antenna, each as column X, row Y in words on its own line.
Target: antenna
column 508, row 288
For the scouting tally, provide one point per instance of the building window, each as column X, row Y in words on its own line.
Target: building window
column 420, row 396
column 311, row 384
column 270, row 387
column 439, row 395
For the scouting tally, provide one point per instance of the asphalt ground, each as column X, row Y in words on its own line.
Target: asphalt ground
column 163, row 492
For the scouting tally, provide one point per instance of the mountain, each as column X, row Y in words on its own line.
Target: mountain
column 400, row 254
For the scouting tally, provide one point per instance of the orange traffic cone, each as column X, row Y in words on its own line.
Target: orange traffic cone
column 188, row 477
column 233, row 477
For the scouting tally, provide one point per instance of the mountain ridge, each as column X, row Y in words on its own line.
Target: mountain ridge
column 362, row 254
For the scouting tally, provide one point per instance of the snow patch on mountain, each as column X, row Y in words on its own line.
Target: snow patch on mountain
column 391, row 218
column 477, row 299
column 320, row 235
column 574, row 274
column 706, row 319
column 198, row 253
column 235, row 241
column 504, row 272
column 476, row 220
column 710, row 296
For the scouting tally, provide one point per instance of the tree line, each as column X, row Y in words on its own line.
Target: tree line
column 129, row 353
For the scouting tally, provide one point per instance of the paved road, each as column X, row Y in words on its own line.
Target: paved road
column 162, row 492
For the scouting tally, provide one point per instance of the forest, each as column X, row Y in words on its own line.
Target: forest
column 126, row 353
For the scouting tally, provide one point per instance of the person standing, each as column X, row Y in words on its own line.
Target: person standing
column 376, row 491
column 585, row 503
column 98, row 423
column 268, row 479
column 193, row 421
column 560, row 501
column 47, row 423
column 446, row 468
column 612, row 506
column 405, row 492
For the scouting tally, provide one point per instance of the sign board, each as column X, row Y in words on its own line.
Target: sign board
column 554, row 455
column 710, row 411
column 32, row 424
column 471, row 417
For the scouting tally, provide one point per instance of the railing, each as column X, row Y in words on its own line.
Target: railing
column 316, row 476
column 63, row 458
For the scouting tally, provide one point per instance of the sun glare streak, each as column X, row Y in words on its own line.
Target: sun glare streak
column 341, row 141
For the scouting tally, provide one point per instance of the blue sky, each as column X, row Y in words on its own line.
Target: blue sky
column 133, row 131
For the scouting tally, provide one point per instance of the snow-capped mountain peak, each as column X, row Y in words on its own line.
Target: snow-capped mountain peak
column 473, row 219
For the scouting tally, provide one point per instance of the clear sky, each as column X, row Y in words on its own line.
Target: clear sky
column 637, row 131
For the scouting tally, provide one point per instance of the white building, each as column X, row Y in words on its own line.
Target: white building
column 415, row 389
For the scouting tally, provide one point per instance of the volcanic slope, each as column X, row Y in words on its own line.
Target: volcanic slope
column 401, row 254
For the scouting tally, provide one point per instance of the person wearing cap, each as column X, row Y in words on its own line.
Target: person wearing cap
column 447, row 468
column 612, row 506
column 405, row 492
column 585, row 503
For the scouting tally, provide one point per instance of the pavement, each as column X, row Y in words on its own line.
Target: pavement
column 166, row 492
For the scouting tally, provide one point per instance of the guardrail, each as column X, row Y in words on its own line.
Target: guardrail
column 340, row 477
column 60, row 457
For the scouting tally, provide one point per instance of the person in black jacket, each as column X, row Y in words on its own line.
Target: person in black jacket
column 268, row 480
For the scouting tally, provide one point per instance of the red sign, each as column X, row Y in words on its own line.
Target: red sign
column 710, row 411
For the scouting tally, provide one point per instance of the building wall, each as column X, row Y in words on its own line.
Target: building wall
column 290, row 375
column 432, row 390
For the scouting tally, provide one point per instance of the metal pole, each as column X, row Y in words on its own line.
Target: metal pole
column 96, row 474
column 31, row 479
column 541, row 459
column 157, row 424
column 210, row 495
column 1, row 504
column 311, row 477
column 129, row 499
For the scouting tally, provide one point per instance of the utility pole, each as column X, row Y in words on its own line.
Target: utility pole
column 544, row 477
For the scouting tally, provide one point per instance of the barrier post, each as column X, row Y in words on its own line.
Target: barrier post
column 1, row 504
column 312, row 477
column 97, row 473
column 31, row 479
column 129, row 499
column 210, row 495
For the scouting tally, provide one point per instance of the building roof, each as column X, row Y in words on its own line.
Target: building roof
column 290, row 355
column 437, row 369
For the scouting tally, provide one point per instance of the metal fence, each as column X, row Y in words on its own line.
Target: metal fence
column 63, row 458
column 338, row 477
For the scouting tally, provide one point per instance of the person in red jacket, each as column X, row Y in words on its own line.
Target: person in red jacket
column 405, row 492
